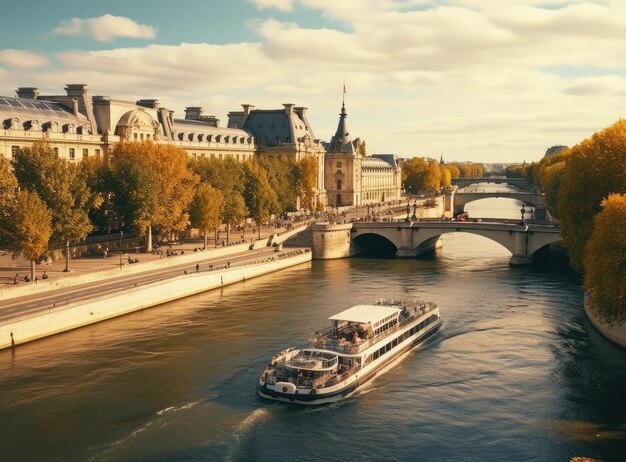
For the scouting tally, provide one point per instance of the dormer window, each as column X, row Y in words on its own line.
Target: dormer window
column 339, row 164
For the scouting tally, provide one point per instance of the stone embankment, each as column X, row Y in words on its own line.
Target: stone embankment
column 615, row 333
column 56, row 319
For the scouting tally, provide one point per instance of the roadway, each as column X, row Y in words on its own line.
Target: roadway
column 29, row 304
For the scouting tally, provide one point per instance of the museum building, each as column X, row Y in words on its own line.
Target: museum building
column 78, row 125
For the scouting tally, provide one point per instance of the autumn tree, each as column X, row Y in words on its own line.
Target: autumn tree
column 605, row 261
column 306, row 181
column 205, row 211
column 454, row 170
column 30, row 223
column 595, row 168
column 8, row 188
column 234, row 211
column 62, row 188
column 419, row 174
column 95, row 173
column 282, row 174
column 152, row 187
column 259, row 196
column 446, row 177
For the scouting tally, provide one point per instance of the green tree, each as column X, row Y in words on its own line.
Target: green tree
column 234, row 211
column 259, row 196
column 134, row 187
column 595, row 168
column 62, row 188
column 30, row 222
column 205, row 210
column 605, row 261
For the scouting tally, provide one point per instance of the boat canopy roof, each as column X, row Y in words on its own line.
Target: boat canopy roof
column 373, row 314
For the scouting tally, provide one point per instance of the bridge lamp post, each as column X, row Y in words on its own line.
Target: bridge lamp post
column 121, row 236
column 414, row 217
column 523, row 213
column 408, row 211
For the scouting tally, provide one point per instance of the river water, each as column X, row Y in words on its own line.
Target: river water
column 516, row 373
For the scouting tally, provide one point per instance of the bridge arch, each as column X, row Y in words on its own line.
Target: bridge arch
column 412, row 239
column 373, row 244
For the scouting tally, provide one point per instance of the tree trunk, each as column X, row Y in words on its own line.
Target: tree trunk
column 227, row 233
column 206, row 237
column 32, row 270
column 149, row 239
column 67, row 257
column 259, row 226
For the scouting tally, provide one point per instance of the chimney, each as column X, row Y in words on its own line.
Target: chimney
column 247, row 108
column 300, row 111
column 288, row 108
column 193, row 113
column 76, row 89
column 28, row 92
column 75, row 106
column 149, row 103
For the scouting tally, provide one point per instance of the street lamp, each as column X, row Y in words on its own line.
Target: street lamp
column 121, row 236
column 414, row 217
column 523, row 212
column 408, row 211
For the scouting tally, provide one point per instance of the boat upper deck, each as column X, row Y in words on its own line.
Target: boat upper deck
column 356, row 329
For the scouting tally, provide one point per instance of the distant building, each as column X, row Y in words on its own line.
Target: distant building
column 353, row 178
column 78, row 125
column 554, row 150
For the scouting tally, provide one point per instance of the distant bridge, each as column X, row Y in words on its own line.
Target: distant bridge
column 463, row 182
column 461, row 198
column 409, row 239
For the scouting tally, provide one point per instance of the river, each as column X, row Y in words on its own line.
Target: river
column 516, row 373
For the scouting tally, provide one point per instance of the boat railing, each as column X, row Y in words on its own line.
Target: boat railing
column 322, row 342
column 309, row 360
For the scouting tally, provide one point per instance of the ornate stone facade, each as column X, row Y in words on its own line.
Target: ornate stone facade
column 78, row 125
column 353, row 178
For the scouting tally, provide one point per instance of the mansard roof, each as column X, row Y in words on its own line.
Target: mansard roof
column 26, row 109
column 277, row 126
column 210, row 132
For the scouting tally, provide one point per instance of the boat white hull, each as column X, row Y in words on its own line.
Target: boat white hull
column 290, row 394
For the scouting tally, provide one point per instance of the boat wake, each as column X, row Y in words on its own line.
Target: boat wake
column 171, row 409
column 241, row 430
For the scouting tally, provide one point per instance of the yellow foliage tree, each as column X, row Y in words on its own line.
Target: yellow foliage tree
column 595, row 168
column 605, row 261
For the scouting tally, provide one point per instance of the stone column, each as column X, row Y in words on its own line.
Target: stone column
column 520, row 255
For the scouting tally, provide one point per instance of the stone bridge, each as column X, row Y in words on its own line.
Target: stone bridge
column 409, row 239
column 461, row 198
column 463, row 182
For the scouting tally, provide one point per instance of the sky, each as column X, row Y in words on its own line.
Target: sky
column 469, row 80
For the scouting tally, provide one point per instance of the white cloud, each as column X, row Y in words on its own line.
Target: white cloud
column 281, row 5
column 465, row 78
column 106, row 28
column 22, row 59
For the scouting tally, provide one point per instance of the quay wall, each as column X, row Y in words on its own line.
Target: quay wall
column 55, row 320
column 8, row 292
column 615, row 333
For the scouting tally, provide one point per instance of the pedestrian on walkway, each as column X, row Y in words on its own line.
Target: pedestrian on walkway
column 16, row 278
column 197, row 267
column 44, row 275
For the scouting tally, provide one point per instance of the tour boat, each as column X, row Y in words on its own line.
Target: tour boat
column 358, row 345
